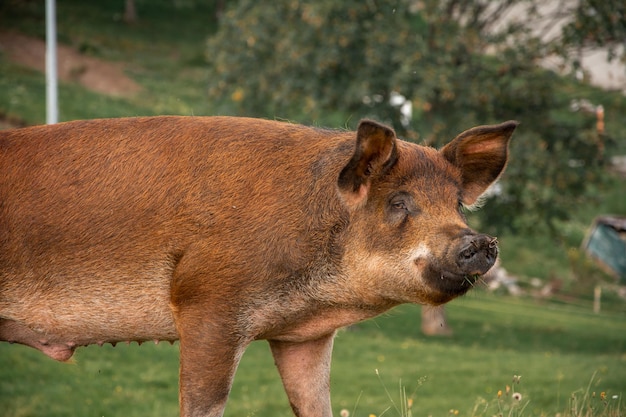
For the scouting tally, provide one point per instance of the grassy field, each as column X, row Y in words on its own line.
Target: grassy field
column 560, row 351
column 563, row 352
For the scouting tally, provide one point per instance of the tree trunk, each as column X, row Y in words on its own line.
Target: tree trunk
column 130, row 13
column 434, row 321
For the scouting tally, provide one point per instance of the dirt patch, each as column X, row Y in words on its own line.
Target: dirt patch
column 94, row 74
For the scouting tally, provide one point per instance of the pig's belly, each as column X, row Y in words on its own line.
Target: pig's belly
column 60, row 319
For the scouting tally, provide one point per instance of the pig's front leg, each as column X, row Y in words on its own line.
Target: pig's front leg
column 305, row 370
column 209, row 356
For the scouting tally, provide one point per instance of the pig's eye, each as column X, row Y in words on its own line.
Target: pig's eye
column 399, row 205
column 402, row 203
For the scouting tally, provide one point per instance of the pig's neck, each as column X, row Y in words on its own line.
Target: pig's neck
column 304, row 317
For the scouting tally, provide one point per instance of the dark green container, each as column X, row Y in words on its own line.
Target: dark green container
column 606, row 244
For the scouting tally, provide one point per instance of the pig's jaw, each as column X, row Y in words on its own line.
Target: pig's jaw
column 447, row 285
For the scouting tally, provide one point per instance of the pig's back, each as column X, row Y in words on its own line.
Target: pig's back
column 91, row 209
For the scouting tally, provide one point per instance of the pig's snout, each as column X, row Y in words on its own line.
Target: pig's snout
column 477, row 254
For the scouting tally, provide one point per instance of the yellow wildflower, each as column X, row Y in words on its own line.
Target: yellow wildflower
column 237, row 95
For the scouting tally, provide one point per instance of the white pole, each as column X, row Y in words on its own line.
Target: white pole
column 52, row 102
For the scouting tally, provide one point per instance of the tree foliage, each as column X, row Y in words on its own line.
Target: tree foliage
column 458, row 63
column 598, row 23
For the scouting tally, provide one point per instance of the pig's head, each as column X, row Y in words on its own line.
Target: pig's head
column 408, row 239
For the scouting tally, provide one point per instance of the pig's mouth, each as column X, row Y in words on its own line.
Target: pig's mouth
column 448, row 285
column 462, row 265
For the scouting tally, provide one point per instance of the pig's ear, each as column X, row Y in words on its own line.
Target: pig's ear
column 481, row 153
column 375, row 152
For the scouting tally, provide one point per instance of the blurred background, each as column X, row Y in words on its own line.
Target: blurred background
column 554, row 309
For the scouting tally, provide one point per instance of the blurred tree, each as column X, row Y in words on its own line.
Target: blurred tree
column 598, row 23
column 453, row 63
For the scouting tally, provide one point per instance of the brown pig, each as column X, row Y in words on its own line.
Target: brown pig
column 218, row 231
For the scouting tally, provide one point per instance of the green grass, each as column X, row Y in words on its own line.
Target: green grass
column 559, row 350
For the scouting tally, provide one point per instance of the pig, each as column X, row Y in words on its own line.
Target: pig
column 219, row 231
